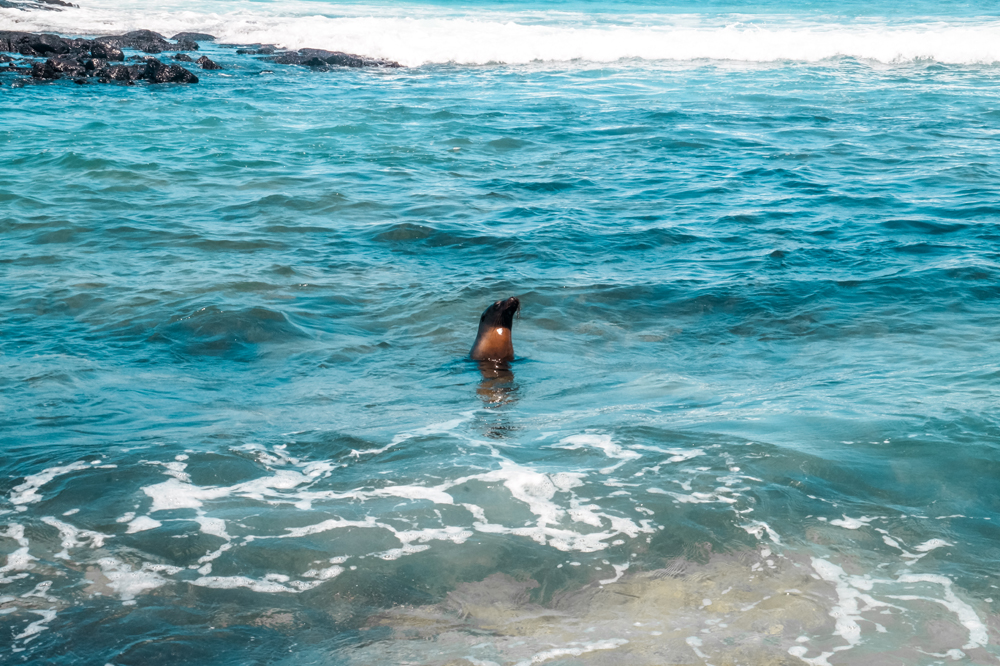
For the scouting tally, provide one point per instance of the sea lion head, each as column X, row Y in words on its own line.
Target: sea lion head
column 493, row 342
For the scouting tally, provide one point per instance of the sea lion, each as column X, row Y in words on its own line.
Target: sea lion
column 493, row 342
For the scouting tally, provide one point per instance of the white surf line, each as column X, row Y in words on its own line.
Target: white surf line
column 533, row 488
column 853, row 523
column 20, row 559
column 71, row 536
column 758, row 528
column 602, row 443
column 536, row 489
column 27, row 491
column 853, row 589
column 129, row 583
column 922, row 550
column 432, row 429
column 583, row 648
column 32, row 631
column 978, row 636
column 620, row 569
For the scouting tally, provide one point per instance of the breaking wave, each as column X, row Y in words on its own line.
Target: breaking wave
column 417, row 36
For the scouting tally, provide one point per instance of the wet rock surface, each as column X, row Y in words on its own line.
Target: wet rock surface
column 324, row 60
column 28, row 5
column 206, row 63
column 86, row 60
column 49, row 57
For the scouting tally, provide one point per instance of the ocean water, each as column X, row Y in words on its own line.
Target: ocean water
column 753, row 415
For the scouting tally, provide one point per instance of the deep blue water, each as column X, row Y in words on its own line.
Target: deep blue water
column 758, row 350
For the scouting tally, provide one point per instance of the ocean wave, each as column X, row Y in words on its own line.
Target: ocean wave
column 426, row 36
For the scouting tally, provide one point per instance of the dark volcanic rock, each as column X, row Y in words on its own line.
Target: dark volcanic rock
column 106, row 51
column 266, row 49
column 94, row 64
column 319, row 58
column 144, row 36
column 183, row 57
column 42, row 44
column 28, row 5
column 70, row 66
column 157, row 72
column 8, row 38
column 44, row 70
column 151, row 70
column 116, row 41
column 146, row 41
column 207, row 64
column 115, row 73
column 193, row 37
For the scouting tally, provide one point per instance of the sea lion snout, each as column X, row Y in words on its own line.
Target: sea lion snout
column 493, row 341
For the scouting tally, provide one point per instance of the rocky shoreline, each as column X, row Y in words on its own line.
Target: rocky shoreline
column 47, row 57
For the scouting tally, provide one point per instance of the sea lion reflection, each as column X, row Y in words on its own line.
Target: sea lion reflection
column 497, row 387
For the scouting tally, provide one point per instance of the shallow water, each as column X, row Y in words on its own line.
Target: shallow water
column 757, row 350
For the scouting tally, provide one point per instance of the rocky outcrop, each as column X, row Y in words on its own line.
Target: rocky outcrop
column 147, row 41
column 88, row 59
column 28, row 5
column 207, row 64
column 193, row 37
column 47, row 57
column 321, row 59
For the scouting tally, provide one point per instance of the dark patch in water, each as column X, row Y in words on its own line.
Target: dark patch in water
column 212, row 331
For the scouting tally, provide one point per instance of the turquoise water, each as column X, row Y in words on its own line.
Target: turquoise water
column 757, row 347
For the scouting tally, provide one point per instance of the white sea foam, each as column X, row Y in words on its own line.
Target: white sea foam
column 856, row 595
column 602, row 443
column 127, row 582
column 576, row 650
column 271, row 584
column 852, row 523
column 433, row 429
column 978, row 636
column 416, row 35
column 74, row 537
column 619, row 570
column 38, row 626
column 20, row 559
column 27, row 491
column 141, row 524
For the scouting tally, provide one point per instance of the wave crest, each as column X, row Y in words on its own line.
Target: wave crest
column 426, row 37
